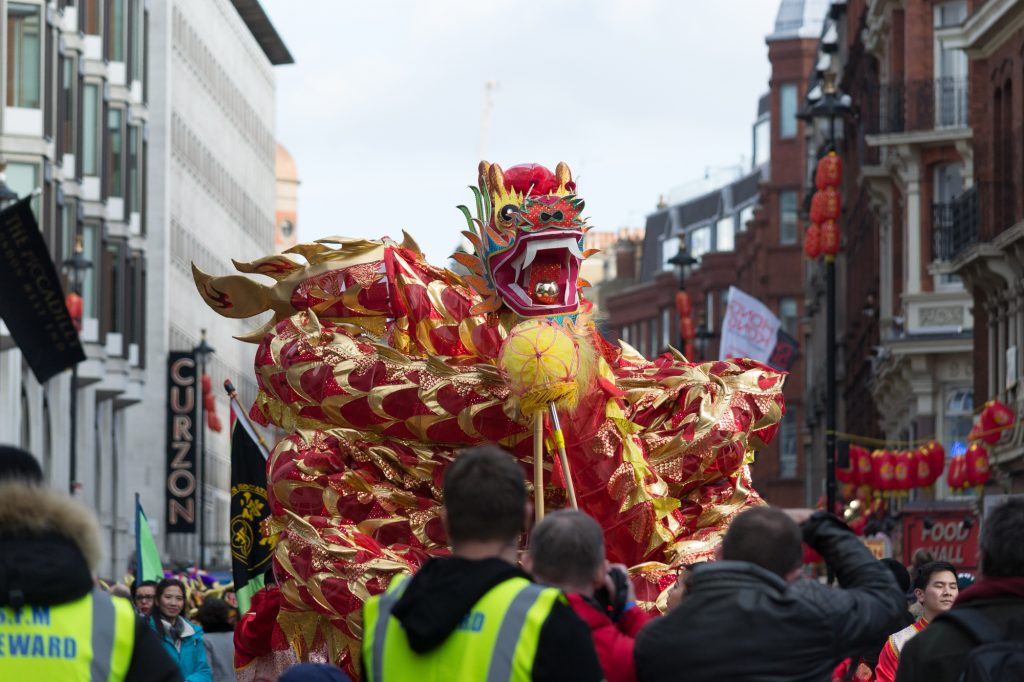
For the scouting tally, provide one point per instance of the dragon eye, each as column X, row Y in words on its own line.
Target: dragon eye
column 507, row 213
column 558, row 216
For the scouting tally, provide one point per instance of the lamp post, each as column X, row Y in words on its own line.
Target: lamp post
column 703, row 336
column 202, row 351
column 682, row 260
column 75, row 265
column 830, row 107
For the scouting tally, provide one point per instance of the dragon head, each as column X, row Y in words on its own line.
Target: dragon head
column 529, row 241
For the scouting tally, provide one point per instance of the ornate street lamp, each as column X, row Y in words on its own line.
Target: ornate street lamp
column 830, row 107
column 683, row 261
column 76, row 265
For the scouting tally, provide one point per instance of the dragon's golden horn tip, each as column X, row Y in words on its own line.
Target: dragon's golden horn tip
column 409, row 243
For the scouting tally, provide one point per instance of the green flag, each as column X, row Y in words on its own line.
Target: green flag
column 147, row 556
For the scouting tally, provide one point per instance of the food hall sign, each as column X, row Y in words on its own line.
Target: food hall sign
column 181, row 442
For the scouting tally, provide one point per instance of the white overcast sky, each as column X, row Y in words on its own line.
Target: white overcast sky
column 382, row 109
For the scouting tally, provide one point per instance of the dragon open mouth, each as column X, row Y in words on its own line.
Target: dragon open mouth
column 538, row 276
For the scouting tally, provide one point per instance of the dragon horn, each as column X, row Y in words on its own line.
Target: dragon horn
column 495, row 178
column 562, row 173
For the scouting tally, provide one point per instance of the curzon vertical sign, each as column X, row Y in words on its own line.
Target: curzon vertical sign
column 181, row 442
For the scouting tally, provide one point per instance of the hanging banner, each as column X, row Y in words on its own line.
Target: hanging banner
column 182, row 424
column 749, row 330
column 32, row 304
column 785, row 352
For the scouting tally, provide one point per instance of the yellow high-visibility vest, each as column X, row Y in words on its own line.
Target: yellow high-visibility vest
column 87, row 640
column 495, row 642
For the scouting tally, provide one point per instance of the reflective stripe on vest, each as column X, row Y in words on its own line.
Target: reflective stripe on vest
column 521, row 608
column 88, row 640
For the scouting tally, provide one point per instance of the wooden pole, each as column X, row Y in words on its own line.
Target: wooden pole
column 562, row 457
column 538, row 464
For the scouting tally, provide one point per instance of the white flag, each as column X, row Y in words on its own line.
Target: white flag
column 749, row 329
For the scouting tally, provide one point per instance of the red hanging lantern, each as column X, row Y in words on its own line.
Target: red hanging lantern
column 901, row 471
column 812, row 241
column 846, row 475
column 75, row 307
column 830, row 238
column 686, row 328
column 976, row 464
column 881, row 470
column 829, row 172
column 956, row 475
column 995, row 418
column 912, row 459
column 863, row 465
column 683, row 304
column 923, row 467
column 689, row 351
column 825, row 205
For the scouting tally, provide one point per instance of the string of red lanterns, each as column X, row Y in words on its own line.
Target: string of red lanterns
column 823, row 236
column 896, row 472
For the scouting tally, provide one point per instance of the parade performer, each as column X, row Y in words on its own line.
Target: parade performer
column 382, row 367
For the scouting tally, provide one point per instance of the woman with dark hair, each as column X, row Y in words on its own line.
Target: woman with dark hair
column 218, row 637
column 182, row 640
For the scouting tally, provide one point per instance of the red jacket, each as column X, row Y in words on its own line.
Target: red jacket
column 613, row 641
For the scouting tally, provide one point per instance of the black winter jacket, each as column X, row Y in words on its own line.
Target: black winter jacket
column 739, row 621
column 49, row 545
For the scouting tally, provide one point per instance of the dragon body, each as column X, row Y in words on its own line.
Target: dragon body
column 381, row 367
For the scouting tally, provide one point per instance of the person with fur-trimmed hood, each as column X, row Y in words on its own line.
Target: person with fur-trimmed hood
column 55, row 624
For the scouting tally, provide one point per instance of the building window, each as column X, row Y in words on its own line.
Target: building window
column 24, row 54
column 652, row 338
column 90, row 13
column 115, row 38
column 136, row 38
column 787, row 217
column 669, row 248
column 700, row 241
column 115, row 159
column 90, row 129
column 725, row 233
column 762, row 142
column 723, row 298
column 788, row 315
column 23, row 179
column 113, row 272
column 787, row 445
column 134, row 169
column 746, row 215
column 90, row 249
column 625, row 335
column 666, row 326
column 787, row 110
column 68, row 104
column 709, row 311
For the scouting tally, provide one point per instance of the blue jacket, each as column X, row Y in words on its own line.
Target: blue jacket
column 191, row 655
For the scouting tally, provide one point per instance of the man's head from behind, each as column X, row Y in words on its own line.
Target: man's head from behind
column 1002, row 541
column 484, row 497
column 15, row 463
column 767, row 537
column 567, row 550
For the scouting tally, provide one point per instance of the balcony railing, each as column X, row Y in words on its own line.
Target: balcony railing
column 917, row 105
column 955, row 225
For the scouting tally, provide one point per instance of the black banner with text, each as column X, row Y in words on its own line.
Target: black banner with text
column 32, row 299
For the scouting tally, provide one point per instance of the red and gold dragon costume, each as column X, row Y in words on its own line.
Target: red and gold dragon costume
column 382, row 367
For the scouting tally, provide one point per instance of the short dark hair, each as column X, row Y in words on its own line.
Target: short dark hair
column 567, row 548
column 214, row 615
column 767, row 537
column 19, row 464
column 1002, row 541
column 484, row 496
column 923, row 574
column 899, row 571
column 142, row 583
